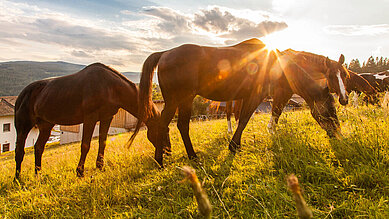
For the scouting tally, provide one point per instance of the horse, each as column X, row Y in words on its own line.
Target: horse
column 309, row 76
column 226, row 73
column 379, row 81
column 233, row 107
column 359, row 85
column 93, row 94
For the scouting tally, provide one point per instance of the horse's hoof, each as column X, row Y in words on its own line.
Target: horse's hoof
column 234, row 148
column 100, row 165
column 80, row 173
column 193, row 157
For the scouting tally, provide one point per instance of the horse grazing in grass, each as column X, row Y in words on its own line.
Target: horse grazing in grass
column 359, row 85
column 218, row 73
column 314, row 78
column 93, row 94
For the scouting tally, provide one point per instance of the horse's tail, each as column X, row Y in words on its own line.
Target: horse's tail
column 22, row 104
column 145, row 103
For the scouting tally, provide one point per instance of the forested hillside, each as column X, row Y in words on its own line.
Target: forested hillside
column 14, row 76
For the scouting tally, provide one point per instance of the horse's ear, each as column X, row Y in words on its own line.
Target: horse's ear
column 341, row 59
column 328, row 62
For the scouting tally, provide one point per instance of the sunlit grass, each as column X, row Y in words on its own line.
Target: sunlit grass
column 341, row 179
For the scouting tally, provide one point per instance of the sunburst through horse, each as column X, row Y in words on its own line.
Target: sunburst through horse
column 218, row 73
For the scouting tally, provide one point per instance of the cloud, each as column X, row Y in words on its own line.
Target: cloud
column 124, row 43
column 357, row 30
column 216, row 21
column 170, row 20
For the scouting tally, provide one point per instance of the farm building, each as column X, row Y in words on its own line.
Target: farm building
column 7, row 126
column 123, row 121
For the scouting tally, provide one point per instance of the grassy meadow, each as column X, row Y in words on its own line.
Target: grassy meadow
column 346, row 178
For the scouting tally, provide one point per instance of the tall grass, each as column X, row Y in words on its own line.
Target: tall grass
column 346, row 178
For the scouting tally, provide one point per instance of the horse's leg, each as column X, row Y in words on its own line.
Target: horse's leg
column 228, row 114
column 324, row 112
column 22, row 130
column 248, row 108
column 280, row 99
column 184, row 113
column 103, row 132
column 87, row 132
column 39, row 147
column 166, row 116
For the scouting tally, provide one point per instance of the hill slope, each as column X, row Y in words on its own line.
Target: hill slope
column 341, row 178
column 14, row 76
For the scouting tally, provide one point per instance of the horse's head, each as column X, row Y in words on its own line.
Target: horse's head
column 337, row 76
column 153, row 132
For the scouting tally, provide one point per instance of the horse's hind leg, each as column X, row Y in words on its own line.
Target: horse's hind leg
column 22, row 131
column 228, row 114
column 184, row 114
column 248, row 108
column 103, row 132
column 39, row 147
column 280, row 99
column 87, row 132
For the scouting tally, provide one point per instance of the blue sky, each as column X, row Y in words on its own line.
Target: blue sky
column 123, row 33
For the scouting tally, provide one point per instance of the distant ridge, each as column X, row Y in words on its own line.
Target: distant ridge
column 15, row 75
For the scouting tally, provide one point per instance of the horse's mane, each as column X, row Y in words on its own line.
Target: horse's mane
column 307, row 56
column 120, row 75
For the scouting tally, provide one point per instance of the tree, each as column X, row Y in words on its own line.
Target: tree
column 200, row 105
column 157, row 94
column 355, row 65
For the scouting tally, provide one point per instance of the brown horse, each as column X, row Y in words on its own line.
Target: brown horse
column 379, row 81
column 217, row 73
column 358, row 84
column 309, row 75
column 93, row 94
column 308, row 80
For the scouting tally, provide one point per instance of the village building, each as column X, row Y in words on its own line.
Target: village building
column 7, row 126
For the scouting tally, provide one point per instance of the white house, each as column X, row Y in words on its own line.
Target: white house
column 7, row 126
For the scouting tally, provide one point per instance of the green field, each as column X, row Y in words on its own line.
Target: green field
column 346, row 178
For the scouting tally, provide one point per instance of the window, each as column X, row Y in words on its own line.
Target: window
column 5, row 147
column 7, row 127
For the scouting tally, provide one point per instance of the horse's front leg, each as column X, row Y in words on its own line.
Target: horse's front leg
column 248, row 107
column 184, row 113
column 103, row 132
column 87, row 132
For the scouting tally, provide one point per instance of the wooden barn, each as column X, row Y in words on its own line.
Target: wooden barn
column 123, row 121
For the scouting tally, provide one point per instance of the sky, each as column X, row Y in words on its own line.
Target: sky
column 122, row 33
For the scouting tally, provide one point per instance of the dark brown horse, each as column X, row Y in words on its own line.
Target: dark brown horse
column 217, row 73
column 309, row 75
column 93, row 94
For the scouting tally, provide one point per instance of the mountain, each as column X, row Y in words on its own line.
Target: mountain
column 14, row 76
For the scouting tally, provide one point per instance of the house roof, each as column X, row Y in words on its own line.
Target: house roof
column 10, row 99
column 6, row 108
